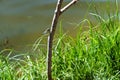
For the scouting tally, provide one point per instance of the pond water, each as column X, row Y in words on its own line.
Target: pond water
column 23, row 21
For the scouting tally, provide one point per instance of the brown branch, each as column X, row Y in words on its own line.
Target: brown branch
column 56, row 16
column 68, row 5
column 50, row 37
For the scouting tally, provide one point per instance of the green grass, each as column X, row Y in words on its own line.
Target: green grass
column 93, row 54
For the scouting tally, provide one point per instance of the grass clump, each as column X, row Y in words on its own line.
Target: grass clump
column 93, row 55
column 14, row 68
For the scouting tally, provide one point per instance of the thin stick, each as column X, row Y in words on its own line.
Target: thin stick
column 68, row 5
column 50, row 37
column 56, row 16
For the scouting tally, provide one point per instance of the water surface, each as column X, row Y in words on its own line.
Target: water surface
column 23, row 21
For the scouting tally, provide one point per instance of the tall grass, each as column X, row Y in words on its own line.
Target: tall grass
column 92, row 55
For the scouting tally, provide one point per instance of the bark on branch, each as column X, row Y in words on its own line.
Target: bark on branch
column 56, row 16
column 68, row 5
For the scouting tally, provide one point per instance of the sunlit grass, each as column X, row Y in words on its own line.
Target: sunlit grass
column 92, row 55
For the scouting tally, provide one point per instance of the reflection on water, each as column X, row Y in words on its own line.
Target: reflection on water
column 23, row 21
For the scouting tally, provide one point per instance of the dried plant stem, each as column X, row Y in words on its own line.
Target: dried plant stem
column 56, row 16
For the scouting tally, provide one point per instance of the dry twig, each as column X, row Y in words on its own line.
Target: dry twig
column 56, row 16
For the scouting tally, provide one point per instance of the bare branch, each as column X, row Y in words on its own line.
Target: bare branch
column 68, row 5
column 56, row 16
column 50, row 37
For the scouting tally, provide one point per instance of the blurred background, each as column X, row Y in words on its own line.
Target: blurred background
column 24, row 21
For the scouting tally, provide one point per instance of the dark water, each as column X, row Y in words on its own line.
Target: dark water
column 23, row 21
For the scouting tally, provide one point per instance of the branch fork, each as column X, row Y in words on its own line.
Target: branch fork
column 56, row 16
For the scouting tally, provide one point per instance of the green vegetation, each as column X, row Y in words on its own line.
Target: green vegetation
column 93, row 54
